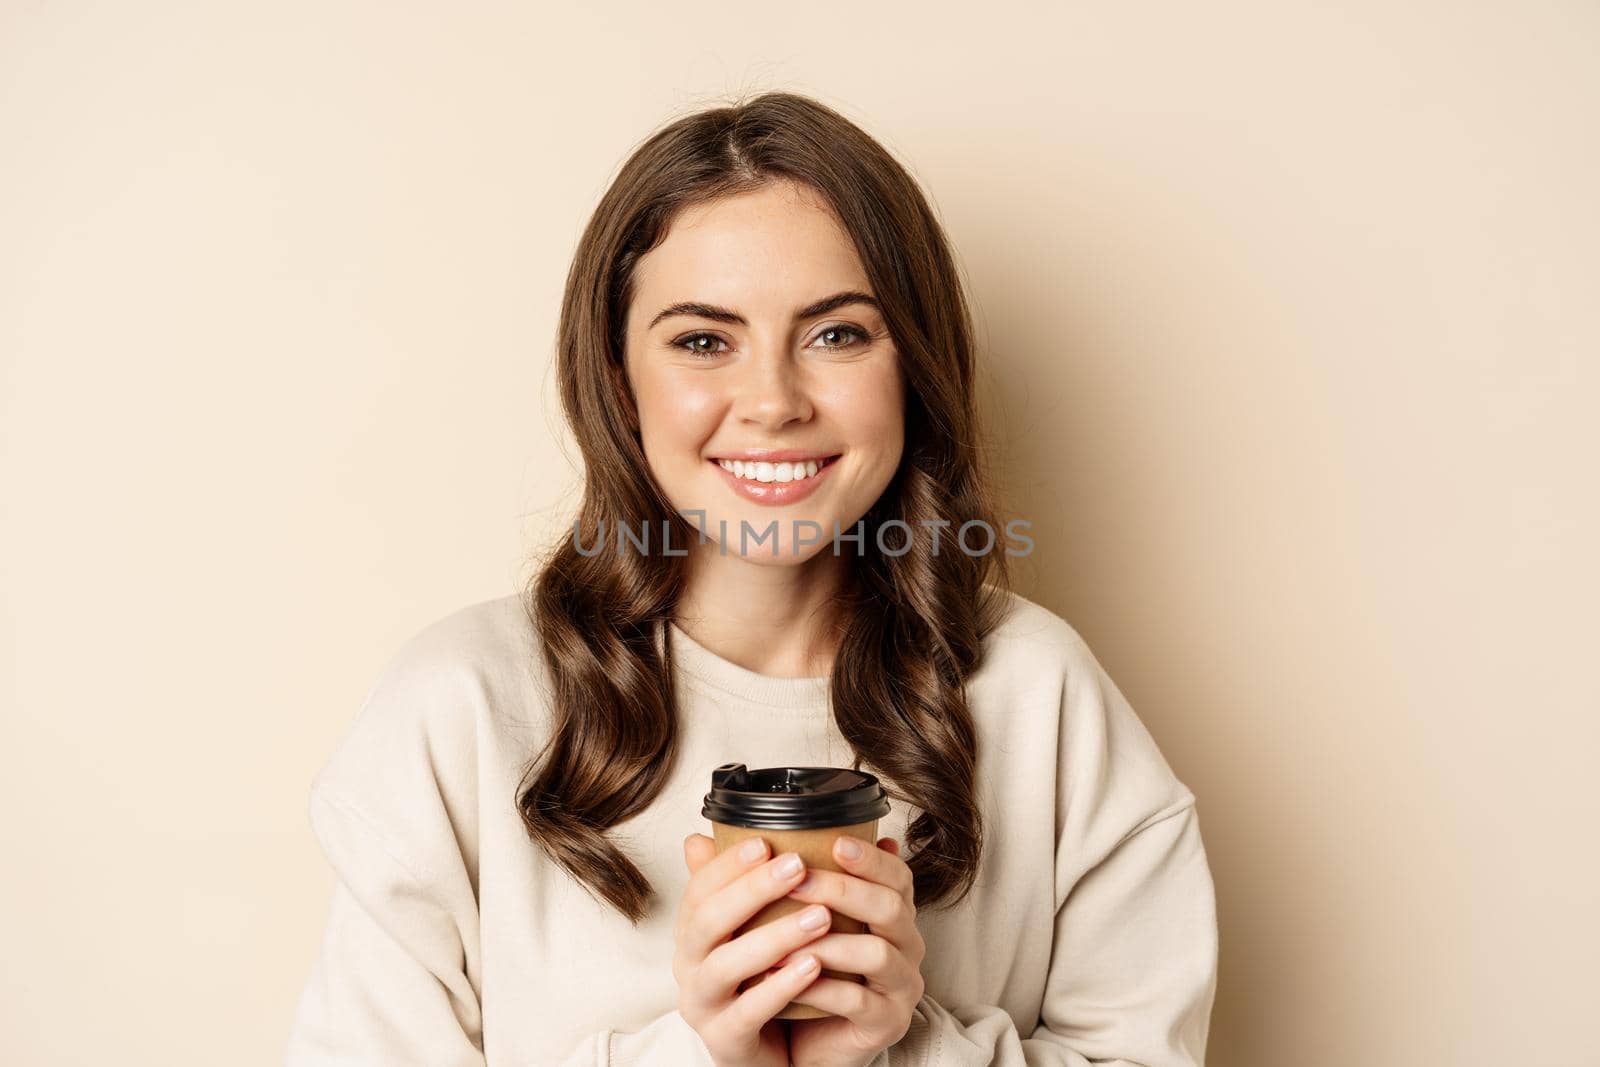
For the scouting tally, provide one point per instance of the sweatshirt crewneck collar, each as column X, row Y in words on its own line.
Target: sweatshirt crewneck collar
column 695, row 661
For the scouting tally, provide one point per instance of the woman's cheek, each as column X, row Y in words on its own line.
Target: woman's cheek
column 680, row 410
column 890, row 431
column 694, row 403
column 874, row 413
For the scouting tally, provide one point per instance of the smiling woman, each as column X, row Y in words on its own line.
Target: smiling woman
column 762, row 326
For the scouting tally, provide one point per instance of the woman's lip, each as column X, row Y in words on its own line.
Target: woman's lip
column 772, row 494
column 777, row 455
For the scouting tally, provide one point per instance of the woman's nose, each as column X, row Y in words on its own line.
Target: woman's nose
column 771, row 392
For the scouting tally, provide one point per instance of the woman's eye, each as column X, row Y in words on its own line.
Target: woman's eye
column 705, row 345
column 837, row 332
column 699, row 344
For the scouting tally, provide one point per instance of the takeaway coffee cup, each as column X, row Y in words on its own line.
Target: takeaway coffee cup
column 801, row 810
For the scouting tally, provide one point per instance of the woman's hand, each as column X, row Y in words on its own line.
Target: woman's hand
column 724, row 890
column 876, row 888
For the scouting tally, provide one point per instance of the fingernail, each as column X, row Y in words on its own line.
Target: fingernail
column 813, row 918
column 752, row 850
column 849, row 848
column 788, row 867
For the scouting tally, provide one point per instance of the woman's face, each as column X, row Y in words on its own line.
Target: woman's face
column 769, row 391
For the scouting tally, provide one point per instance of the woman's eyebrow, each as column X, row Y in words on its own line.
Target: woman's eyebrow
column 720, row 314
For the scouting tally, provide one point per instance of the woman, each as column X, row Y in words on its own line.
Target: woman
column 763, row 344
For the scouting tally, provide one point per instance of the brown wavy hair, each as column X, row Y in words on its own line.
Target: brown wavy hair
column 912, row 626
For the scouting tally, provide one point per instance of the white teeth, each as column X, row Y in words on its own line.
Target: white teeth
column 770, row 472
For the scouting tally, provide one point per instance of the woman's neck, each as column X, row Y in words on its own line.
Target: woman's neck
column 777, row 620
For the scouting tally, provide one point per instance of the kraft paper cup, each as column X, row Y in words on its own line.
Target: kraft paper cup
column 801, row 810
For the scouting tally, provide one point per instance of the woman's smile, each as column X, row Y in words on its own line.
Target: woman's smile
column 774, row 478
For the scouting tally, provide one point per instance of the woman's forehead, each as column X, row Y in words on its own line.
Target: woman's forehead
column 760, row 253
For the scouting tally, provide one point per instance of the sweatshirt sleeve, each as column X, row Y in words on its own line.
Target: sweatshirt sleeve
column 666, row 1041
column 389, row 985
column 1133, row 962
column 397, row 981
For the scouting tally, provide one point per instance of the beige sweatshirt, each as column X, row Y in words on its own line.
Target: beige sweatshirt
column 1089, row 938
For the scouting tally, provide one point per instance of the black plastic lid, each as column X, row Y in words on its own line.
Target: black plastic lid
column 793, row 798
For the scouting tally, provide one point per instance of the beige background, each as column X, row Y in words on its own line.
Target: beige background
column 1288, row 315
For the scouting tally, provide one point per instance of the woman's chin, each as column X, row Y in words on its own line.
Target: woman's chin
column 769, row 554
